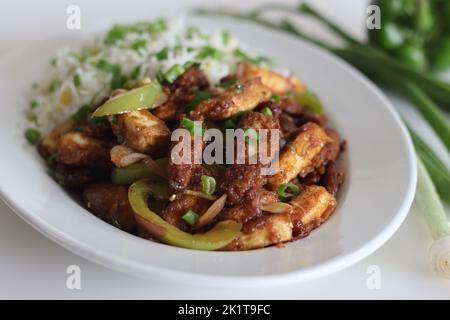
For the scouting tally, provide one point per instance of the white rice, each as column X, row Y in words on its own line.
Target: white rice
column 184, row 43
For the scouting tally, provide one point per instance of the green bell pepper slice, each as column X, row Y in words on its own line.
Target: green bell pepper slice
column 137, row 172
column 146, row 97
column 218, row 237
column 309, row 101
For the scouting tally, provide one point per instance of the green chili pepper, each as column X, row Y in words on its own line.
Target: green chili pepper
column 145, row 97
column 218, row 237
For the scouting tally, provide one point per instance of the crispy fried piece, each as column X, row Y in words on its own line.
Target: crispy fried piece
column 277, row 83
column 240, row 178
column 311, row 208
column 192, row 79
column 166, row 111
column 333, row 178
column 182, row 175
column 296, row 158
column 181, row 93
column 74, row 177
column 176, row 209
column 143, row 131
column 110, row 203
column 50, row 144
column 264, row 231
column 241, row 97
column 246, row 210
column 77, row 148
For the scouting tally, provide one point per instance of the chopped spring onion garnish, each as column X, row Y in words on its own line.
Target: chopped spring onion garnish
column 145, row 97
column 228, row 83
column 251, row 136
column 294, row 190
column 163, row 54
column 76, row 80
column 190, row 217
column 275, row 98
column 208, row 184
column 136, row 72
column 429, row 204
column 138, row 44
column 33, row 104
column 173, row 73
column 194, row 127
column 53, row 85
column 121, row 140
column 81, row 113
column 267, row 112
column 208, row 51
column 117, row 79
column 106, row 66
column 32, row 136
column 239, row 88
column 200, row 96
column 226, row 37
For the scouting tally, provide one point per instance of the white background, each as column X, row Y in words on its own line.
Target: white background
column 31, row 266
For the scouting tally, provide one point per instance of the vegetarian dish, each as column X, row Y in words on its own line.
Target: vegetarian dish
column 104, row 123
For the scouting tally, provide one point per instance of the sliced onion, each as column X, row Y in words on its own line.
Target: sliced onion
column 276, row 207
column 212, row 212
column 200, row 194
column 123, row 156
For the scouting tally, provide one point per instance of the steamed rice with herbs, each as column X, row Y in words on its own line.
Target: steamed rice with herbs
column 156, row 49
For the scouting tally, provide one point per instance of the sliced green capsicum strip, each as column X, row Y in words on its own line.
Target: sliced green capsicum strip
column 145, row 97
column 309, row 101
column 136, row 172
column 218, row 237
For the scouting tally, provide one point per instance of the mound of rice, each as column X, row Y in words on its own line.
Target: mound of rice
column 153, row 49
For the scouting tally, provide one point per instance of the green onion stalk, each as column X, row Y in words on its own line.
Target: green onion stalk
column 430, row 206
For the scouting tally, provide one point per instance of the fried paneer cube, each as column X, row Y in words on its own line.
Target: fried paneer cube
column 110, row 203
column 311, row 208
column 238, row 98
column 142, row 131
column 276, row 82
column 264, row 231
column 297, row 157
column 79, row 149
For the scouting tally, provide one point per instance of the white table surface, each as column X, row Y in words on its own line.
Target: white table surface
column 31, row 266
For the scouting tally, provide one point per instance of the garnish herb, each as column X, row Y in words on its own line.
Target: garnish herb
column 190, row 217
column 163, row 54
column 199, row 96
column 54, row 85
column 76, row 80
column 267, row 112
column 283, row 193
column 208, row 184
column 194, row 127
column 32, row 136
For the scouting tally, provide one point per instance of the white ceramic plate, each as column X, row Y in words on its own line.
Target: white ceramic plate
column 373, row 202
